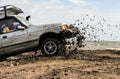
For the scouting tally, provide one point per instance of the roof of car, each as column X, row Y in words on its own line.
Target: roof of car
column 9, row 10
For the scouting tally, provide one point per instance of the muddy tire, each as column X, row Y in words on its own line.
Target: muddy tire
column 50, row 47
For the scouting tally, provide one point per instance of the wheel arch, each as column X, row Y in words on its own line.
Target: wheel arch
column 47, row 35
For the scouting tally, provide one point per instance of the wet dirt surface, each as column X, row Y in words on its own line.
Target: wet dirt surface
column 85, row 64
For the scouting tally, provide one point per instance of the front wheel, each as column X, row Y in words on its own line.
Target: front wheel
column 50, row 47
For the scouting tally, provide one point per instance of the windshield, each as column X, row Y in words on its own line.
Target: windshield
column 24, row 21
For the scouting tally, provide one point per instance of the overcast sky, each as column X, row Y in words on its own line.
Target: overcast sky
column 47, row 11
column 67, row 11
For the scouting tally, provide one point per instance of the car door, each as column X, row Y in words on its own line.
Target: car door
column 1, row 48
column 14, row 41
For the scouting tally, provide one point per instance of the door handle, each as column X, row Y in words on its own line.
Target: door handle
column 4, row 37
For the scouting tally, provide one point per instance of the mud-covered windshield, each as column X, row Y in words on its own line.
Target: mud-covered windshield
column 24, row 21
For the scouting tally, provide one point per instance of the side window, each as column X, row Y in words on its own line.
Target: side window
column 6, row 25
column 2, row 25
column 17, row 26
column 9, row 25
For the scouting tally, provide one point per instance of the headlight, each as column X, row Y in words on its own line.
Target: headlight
column 62, row 27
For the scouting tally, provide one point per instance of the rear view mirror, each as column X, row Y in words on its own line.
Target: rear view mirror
column 27, row 18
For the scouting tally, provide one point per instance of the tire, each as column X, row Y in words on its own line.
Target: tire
column 50, row 47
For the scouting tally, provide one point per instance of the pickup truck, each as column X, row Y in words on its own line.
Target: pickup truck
column 49, row 38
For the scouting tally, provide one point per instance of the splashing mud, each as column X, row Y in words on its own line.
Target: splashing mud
column 97, row 28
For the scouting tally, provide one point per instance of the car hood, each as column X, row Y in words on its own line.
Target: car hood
column 53, row 25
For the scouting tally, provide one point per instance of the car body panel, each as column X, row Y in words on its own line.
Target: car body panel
column 14, row 41
column 34, row 32
column 1, row 49
column 33, row 36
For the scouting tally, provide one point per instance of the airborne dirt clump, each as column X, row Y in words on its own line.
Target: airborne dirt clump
column 84, row 64
column 97, row 28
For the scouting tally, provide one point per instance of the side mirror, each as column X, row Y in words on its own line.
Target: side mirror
column 21, row 28
column 27, row 18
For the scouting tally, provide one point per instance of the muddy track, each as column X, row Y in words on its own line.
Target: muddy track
column 89, row 55
column 86, row 64
column 93, row 55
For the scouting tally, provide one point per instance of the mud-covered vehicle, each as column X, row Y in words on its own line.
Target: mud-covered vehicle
column 18, row 34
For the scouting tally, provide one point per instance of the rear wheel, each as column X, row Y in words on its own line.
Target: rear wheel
column 50, row 47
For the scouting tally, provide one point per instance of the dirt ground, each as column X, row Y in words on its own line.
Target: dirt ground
column 85, row 64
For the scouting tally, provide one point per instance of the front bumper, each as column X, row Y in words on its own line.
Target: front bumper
column 71, row 39
column 74, row 42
